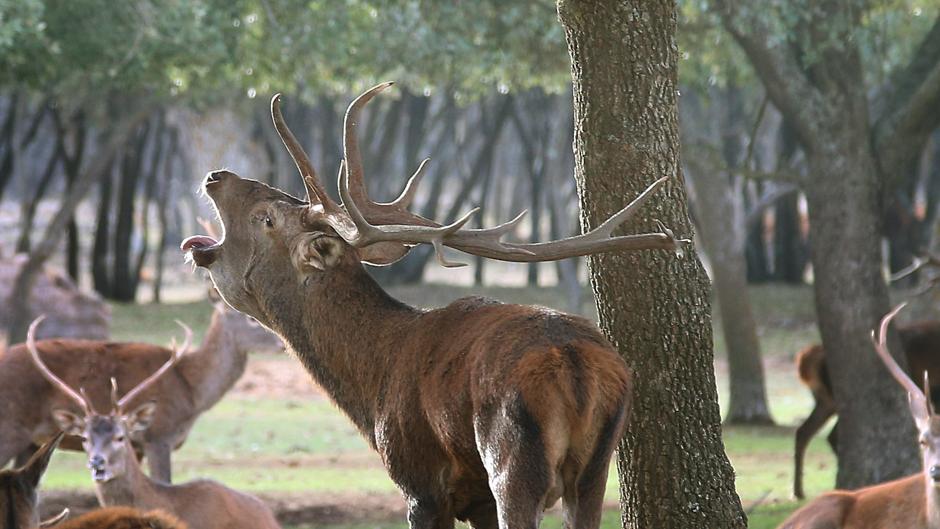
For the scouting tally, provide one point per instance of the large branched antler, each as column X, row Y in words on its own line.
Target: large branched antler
column 385, row 231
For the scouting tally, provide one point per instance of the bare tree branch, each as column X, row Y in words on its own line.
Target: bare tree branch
column 784, row 78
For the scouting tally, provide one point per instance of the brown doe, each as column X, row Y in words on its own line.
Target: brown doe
column 196, row 383
column 19, row 506
column 921, row 345
column 119, row 479
column 481, row 411
column 907, row 503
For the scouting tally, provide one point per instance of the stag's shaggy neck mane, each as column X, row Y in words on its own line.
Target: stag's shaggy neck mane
column 344, row 328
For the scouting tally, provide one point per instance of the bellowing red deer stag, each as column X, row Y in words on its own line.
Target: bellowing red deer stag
column 19, row 509
column 197, row 382
column 119, row 480
column 907, row 503
column 921, row 343
column 481, row 411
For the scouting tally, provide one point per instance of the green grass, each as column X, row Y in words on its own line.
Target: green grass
column 276, row 445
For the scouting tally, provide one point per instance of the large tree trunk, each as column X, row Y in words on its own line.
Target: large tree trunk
column 720, row 225
column 652, row 305
column 851, row 297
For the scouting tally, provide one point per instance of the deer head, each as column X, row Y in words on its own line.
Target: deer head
column 105, row 437
column 267, row 232
column 925, row 418
column 18, row 498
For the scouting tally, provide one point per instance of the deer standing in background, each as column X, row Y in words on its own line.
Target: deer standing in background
column 19, row 509
column 921, row 344
column 196, row 383
column 481, row 411
column 907, row 503
column 119, row 479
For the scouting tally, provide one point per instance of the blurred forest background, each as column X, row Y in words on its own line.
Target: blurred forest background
column 111, row 112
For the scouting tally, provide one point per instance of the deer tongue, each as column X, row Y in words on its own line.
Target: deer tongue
column 197, row 242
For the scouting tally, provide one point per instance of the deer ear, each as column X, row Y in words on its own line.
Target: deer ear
column 318, row 250
column 33, row 470
column 69, row 422
column 141, row 418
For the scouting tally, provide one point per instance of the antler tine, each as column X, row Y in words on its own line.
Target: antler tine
column 316, row 193
column 917, row 263
column 47, row 373
column 411, row 187
column 114, row 393
column 351, row 153
column 880, row 341
column 368, row 233
column 147, row 382
column 600, row 239
column 927, row 393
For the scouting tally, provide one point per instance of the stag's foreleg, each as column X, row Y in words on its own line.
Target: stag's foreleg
column 158, row 460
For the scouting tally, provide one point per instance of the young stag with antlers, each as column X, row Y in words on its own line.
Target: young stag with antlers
column 921, row 344
column 19, row 509
column 481, row 411
column 119, row 480
column 197, row 382
column 908, row 503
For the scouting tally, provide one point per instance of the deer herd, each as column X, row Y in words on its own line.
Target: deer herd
column 481, row 411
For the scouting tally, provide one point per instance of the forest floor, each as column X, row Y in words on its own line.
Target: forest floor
column 276, row 435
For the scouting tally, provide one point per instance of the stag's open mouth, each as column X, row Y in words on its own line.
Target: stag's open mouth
column 202, row 248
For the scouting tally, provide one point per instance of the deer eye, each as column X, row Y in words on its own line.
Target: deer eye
column 268, row 221
column 119, row 438
column 924, row 442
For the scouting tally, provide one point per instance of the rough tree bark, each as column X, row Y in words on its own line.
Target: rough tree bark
column 653, row 306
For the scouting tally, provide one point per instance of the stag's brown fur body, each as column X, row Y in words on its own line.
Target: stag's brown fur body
column 921, row 343
column 450, row 397
column 196, row 383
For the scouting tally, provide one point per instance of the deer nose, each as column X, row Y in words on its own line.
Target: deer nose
column 96, row 462
column 935, row 473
